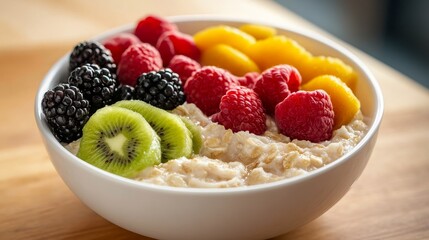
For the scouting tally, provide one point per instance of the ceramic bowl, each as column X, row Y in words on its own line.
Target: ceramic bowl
column 253, row 212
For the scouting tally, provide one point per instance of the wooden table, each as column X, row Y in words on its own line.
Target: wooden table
column 389, row 201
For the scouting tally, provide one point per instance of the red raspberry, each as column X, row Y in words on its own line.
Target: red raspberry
column 275, row 84
column 241, row 110
column 150, row 28
column 206, row 87
column 292, row 76
column 248, row 80
column 183, row 66
column 119, row 43
column 306, row 116
column 138, row 59
column 176, row 43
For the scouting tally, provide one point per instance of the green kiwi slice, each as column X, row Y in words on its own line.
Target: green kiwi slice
column 119, row 141
column 176, row 139
column 197, row 140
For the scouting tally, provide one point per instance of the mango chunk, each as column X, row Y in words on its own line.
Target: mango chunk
column 279, row 50
column 344, row 102
column 228, row 58
column 259, row 32
column 222, row 34
column 329, row 66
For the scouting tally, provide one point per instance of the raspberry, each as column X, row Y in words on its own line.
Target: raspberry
column 293, row 78
column 206, row 87
column 184, row 66
column 161, row 89
column 306, row 116
column 248, row 80
column 119, row 43
column 241, row 110
column 176, row 43
column 150, row 28
column 275, row 84
column 138, row 59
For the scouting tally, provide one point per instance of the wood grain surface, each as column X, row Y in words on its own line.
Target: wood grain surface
column 389, row 201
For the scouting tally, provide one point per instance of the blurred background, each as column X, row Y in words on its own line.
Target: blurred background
column 394, row 31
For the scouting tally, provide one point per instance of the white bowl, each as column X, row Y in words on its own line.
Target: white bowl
column 253, row 212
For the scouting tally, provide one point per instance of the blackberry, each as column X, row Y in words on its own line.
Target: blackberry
column 162, row 89
column 66, row 112
column 92, row 52
column 124, row 92
column 96, row 84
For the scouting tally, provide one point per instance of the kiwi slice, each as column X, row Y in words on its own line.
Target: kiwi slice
column 197, row 140
column 176, row 139
column 119, row 141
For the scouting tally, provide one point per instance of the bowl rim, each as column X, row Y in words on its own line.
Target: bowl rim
column 372, row 131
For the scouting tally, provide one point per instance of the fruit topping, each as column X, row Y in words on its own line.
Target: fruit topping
column 329, row 66
column 119, row 43
column 136, row 60
column 228, row 58
column 248, row 80
column 277, row 50
column 66, row 112
column 218, row 69
column 306, row 116
column 150, row 28
column 206, row 87
column 275, row 84
column 241, row 110
column 197, row 140
column 119, row 141
column 124, row 92
column 96, row 84
column 92, row 52
column 259, row 32
column 345, row 103
column 176, row 139
column 161, row 89
column 173, row 43
column 184, row 66
column 222, row 34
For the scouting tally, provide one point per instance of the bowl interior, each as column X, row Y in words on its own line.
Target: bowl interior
column 367, row 89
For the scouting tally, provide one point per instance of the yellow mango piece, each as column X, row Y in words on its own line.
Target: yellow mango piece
column 222, row 34
column 228, row 58
column 279, row 50
column 259, row 32
column 328, row 65
column 344, row 102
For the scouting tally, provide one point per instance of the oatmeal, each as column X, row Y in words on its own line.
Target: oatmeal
column 230, row 159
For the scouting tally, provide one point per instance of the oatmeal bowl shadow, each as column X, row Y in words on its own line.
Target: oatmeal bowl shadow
column 245, row 212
